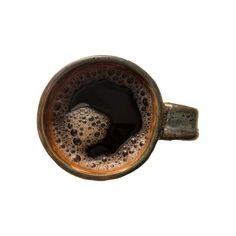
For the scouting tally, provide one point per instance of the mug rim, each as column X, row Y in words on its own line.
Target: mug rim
column 93, row 59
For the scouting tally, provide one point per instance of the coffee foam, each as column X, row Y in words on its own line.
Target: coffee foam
column 77, row 129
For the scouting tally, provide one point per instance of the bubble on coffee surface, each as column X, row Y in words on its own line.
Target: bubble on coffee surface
column 80, row 129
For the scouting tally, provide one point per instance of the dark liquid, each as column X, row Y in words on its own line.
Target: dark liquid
column 118, row 103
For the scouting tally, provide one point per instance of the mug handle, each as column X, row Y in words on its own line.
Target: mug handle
column 179, row 122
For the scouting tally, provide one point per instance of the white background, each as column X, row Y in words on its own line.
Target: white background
column 185, row 188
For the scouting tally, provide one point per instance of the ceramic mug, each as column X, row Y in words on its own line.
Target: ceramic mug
column 100, row 118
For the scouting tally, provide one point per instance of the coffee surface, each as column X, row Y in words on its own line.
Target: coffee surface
column 101, row 116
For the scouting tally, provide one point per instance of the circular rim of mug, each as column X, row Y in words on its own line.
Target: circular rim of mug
column 92, row 59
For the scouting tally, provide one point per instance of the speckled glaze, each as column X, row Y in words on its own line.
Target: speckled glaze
column 172, row 121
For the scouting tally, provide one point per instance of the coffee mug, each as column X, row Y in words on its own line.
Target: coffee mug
column 100, row 118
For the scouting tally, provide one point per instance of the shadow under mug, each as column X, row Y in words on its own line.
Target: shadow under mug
column 169, row 121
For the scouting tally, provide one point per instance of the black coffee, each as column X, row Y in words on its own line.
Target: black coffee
column 115, row 101
column 102, row 116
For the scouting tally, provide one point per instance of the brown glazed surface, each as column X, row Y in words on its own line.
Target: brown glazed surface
column 71, row 78
column 179, row 122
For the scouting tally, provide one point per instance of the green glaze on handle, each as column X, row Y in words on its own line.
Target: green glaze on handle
column 179, row 122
